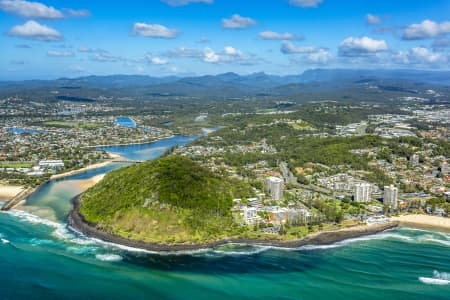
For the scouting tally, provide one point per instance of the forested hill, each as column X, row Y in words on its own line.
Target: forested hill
column 172, row 199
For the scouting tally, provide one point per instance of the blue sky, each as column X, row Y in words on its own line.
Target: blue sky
column 67, row 38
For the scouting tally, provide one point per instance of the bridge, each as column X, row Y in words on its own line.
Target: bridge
column 128, row 161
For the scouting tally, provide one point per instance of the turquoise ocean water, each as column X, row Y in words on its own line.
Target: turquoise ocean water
column 40, row 258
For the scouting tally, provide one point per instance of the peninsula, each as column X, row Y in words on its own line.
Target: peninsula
column 174, row 203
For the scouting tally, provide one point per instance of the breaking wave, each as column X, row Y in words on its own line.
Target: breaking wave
column 108, row 257
column 439, row 278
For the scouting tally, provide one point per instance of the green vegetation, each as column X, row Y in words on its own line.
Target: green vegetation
column 170, row 200
column 16, row 165
column 71, row 124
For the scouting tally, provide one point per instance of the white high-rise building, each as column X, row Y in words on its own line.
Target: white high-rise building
column 362, row 192
column 414, row 159
column 445, row 168
column 390, row 197
column 275, row 187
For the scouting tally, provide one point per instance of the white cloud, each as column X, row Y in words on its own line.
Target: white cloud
column 228, row 50
column 289, row 48
column 424, row 55
column 372, row 19
column 185, row 2
column 237, row 22
column 210, row 56
column 426, row 29
column 28, row 9
column 320, row 57
column 154, row 31
column 271, row 35
column 228, row 55
column 57, row 53
column 420, row 56
column 353, row 46
column 158, row 61
column 78, row 13
column 306, row 3
column 35, row 31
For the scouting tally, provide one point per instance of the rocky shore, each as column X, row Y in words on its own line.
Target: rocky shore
column 78, row 223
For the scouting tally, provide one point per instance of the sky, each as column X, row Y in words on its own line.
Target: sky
column 73, row 38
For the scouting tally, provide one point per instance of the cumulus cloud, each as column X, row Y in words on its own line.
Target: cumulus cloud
column 289, row 48
column 420, row 56
column 271, row 35
column 158, row 61
column 372, row 19
column 425, row 30
column 320, row 57
column 228, row 55
column 185, row 2
column 306, row 3
column 154, row 31
column 57, row 53
column 210, row 56
column 353, row 46
column 28, row 9
column 237, row 22
column 35, row 31
column 78, row 13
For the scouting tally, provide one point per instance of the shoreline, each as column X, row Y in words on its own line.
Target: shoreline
column 19, row 199
column 423, row 221
column 8, row 191
column 113, row 157
column 77, row 222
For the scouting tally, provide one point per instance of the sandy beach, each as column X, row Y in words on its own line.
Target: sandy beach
column 9, row 191
column 114, row 157
column 87, row 183
column 424, row 221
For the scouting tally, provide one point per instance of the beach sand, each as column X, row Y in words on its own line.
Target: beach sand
column 114, row 157
column 9, row 191
column 424, row 221
column 87, row 183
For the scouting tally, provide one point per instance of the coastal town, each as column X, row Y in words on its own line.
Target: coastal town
column 225, row 150
column 406, row 169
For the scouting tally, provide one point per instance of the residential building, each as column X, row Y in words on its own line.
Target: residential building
column 362, row 192
column 275, row 187
column 414, row 159
column 445, row 168
column 390, row 197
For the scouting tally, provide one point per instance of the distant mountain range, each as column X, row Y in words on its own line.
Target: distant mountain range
column 232, row 84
